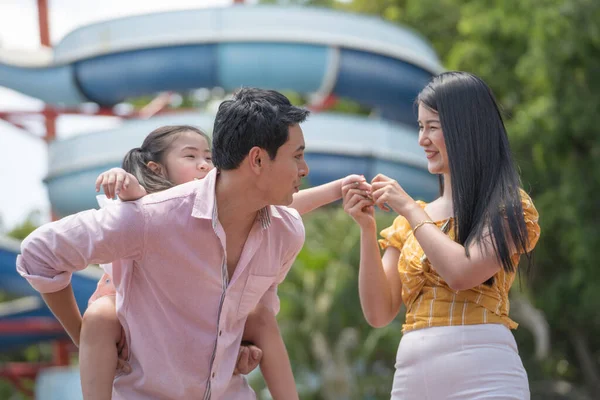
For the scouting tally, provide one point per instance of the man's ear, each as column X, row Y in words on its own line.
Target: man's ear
column 256, row 158
column 155, row 167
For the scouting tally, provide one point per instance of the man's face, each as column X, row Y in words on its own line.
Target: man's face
column 283, row 175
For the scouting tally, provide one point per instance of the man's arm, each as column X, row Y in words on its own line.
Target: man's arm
column 51, row 253
column 262, row 329
column 64, row 307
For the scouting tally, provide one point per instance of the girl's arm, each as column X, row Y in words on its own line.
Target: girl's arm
column 262, row 329
column 309, row 199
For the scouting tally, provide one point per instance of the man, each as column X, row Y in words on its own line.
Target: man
column 197, row 258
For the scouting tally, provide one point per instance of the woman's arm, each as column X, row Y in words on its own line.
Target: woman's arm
column 449, row 258
column 379, row 284
column 446, row 256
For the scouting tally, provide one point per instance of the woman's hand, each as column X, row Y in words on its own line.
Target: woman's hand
column 388, row 194
column 117, row 182
column 358, row 202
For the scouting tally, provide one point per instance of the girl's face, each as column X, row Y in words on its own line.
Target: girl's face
column 431, row 138
column 187, row 159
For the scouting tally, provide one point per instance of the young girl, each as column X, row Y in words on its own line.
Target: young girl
column 452, row 261
column 170, row 156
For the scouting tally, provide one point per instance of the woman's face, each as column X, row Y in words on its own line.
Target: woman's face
column 431, row 139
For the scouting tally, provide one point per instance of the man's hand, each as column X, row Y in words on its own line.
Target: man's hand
column 122, row 364
column 248, row 359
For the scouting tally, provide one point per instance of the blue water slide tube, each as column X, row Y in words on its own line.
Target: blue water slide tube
column 30, row 303
column 337, row 145
column 308, row 50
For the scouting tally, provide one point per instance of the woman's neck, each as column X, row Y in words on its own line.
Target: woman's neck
column 447, row 194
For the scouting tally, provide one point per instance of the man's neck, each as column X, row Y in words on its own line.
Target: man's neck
column 236, row 202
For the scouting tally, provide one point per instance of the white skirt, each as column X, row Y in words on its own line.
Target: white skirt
column 470, row 362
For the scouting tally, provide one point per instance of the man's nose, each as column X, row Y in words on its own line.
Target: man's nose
column 304, row 170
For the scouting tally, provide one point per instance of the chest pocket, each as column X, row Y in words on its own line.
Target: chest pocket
column 256, row 287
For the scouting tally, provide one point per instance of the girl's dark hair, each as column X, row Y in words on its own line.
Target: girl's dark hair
column 153, row 149
column 485, row 182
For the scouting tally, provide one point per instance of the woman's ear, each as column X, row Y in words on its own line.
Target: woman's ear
column 155, row 167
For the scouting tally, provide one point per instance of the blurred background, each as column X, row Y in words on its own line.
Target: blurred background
column 83, row 82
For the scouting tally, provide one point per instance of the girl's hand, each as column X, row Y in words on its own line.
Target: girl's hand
column 387, row 193
column 117, row 182
column 350, row 179
column 358, row 202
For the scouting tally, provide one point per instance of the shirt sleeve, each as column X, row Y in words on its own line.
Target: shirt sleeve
column 271, row 299
column 51, row 253
column 396, row 234
column 531, row 220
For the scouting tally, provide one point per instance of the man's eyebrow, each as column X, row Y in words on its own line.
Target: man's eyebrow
column 301, row 148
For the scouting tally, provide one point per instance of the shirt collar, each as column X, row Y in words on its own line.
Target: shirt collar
column 205, row 202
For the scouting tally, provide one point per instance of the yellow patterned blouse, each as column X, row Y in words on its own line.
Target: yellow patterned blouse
column 430, row 301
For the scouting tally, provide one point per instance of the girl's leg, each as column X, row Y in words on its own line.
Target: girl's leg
column 100, row 333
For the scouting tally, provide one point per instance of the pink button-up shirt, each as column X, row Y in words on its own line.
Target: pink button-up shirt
column 183, row 317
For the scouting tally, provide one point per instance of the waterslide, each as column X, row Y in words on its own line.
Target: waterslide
column 302, row 49
column 29, row 305
column 310, row 51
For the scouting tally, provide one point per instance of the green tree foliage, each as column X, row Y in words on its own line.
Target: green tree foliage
column 30, row 223
column 542, row 59
column 335, row 354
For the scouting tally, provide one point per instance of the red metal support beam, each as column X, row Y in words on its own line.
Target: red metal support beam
column 35, row 325
column 44, row 23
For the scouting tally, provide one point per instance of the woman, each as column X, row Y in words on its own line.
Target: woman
column 452, row 261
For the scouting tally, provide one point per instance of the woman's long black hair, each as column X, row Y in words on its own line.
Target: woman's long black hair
column 485, row 183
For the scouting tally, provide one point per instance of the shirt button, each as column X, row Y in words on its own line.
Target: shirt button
column 220, row 332
column 213, row 374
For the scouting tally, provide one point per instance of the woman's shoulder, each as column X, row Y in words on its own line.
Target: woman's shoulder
column 529, row 209
column 531, row 216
